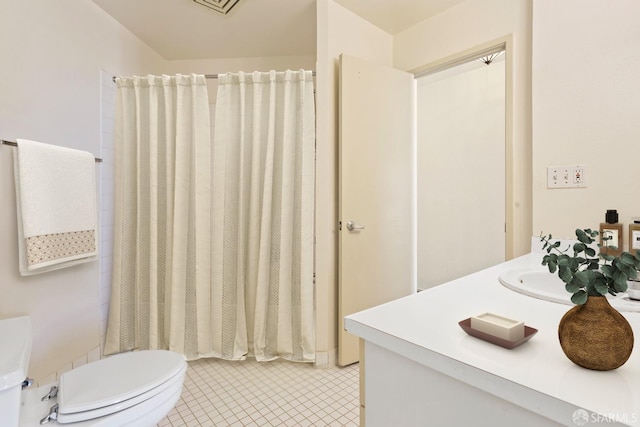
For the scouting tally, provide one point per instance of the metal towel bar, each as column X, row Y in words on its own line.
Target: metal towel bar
column 15, row 144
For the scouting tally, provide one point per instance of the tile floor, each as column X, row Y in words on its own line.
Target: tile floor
column 279, row 393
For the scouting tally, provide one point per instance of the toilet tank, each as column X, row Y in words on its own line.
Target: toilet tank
column 15, row 345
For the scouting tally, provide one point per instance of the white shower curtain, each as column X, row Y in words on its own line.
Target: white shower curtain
column 162, row 226
column 263, row 211
column 214, row 265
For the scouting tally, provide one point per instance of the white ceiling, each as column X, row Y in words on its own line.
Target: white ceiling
column 394, row 16
column 183, row 29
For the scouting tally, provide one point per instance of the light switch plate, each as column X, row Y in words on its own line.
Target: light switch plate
column 567, row 176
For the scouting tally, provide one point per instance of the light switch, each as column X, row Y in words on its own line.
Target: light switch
column 568, row 176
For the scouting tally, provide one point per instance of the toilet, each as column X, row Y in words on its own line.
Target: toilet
column 131, row 389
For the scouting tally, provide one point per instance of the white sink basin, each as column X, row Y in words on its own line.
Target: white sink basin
column 541, row 284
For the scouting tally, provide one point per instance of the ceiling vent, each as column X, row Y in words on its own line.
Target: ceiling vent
column 222, row 6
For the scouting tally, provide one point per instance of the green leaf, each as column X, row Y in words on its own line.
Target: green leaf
column 579, row 297
column 625, row 269
column 628, row 271
column 627, row 259
column 574, row 263
column 579, row 247
column 619, row 281
column 600, row 285
column 573, row 286
column 552, row 267
column 590, row 252
column 607, row 257
column 607, row 270
column 620, row 286
column 582, row 236
column 565, row 274
column 583, row 277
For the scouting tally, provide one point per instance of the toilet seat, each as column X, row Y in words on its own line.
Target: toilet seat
column 116, row 383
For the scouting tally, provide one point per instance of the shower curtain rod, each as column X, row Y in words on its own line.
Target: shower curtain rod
column 15, row 144
column 212, row 76
column 215, row 76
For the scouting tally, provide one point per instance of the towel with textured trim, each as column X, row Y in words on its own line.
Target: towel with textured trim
column 56, row 206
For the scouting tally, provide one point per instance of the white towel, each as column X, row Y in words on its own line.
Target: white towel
column 56, row 205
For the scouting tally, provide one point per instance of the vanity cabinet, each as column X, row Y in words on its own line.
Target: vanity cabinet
column 422, row 369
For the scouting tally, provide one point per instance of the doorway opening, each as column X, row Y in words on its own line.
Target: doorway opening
column 461, row 168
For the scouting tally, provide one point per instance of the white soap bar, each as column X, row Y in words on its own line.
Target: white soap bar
column 498, row 326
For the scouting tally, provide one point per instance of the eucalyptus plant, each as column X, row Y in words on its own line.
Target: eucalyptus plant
column 586, row 273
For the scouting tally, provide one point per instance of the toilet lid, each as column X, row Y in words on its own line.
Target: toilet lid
column 115, row 383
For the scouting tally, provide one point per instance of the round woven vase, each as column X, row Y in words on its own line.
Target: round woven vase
column 595, row 336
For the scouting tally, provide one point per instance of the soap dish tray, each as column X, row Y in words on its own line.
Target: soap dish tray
column 528, row 333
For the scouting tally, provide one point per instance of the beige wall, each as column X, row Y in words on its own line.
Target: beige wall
column 339, row 31
column 586, row 87
column 52, row 56
column 458, row 31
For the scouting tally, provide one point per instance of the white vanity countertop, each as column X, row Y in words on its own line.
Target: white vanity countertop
column 536, row 375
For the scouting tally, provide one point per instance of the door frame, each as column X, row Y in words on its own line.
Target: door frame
column 504, row 43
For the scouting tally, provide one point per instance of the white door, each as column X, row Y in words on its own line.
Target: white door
column 376, row 191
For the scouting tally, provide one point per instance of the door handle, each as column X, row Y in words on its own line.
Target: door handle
column 352, row 226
